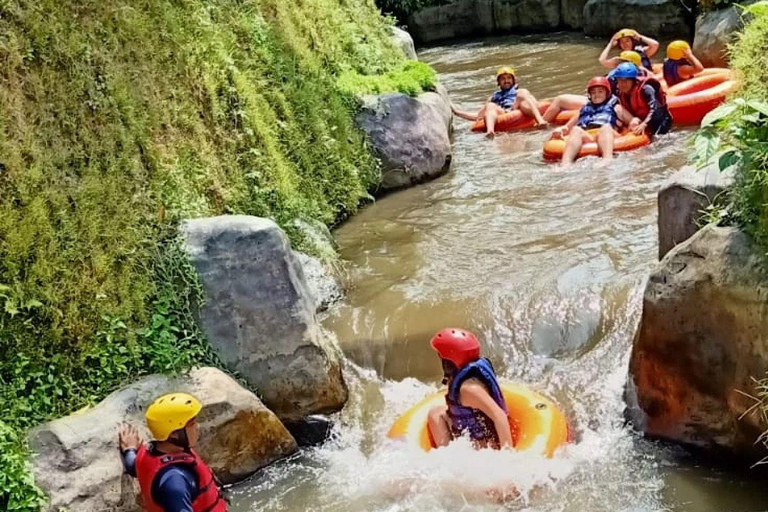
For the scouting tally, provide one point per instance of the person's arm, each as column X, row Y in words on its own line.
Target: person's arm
column 128, row 441
column 651, row 45
column 475, row 395
column 559, row 133
column 695, row 67
column 175, row 490
column 612, row 62
column 649, row 93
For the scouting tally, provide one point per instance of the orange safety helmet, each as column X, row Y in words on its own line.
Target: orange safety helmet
column 626, row 32
column 600, row 81
column 456, row 345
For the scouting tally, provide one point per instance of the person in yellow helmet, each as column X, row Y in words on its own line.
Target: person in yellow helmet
column 172, row 476
column 628, row 39
column 680, row 64
column 507, row 98
column 578, row 101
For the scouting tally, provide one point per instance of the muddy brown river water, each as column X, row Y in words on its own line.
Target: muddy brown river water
column 548, row 267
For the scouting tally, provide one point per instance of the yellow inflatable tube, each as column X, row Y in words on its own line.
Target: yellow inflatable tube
column 538, row 425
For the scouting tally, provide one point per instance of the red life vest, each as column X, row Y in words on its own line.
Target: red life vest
column 636, row 104
column 148, row 466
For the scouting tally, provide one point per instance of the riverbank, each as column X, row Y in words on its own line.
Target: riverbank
column 120, row 121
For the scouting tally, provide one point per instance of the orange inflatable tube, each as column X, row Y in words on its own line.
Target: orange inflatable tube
column 691, row 100
column 627, row 141
column 537, row 424
column 516, row 120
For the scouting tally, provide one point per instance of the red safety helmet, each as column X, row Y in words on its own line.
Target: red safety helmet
column 456, row 345
column 600, row 81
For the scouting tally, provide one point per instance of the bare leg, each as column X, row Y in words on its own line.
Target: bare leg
column 576, row 139
column 492, row 111
column 439, row 425
column 564, row 102
column 469, row 116
column 605, row 141
column 529, row 106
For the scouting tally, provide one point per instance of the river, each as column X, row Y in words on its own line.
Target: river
column 548, row 268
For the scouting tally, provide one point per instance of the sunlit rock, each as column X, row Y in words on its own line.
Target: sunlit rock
column 405, row 42
column 76, row 460
column 714, row 32
column 651, row 17
column 703, row 338
column 259, row 314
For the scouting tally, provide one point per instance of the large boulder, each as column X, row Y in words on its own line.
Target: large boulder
column 682, row 199
column 461, row 18
column 703, row 337
column 410, row 137
column 259, row 314
column 572, row 13
column 76, row 461
column 652, row 17
column 322, row 284
column 404, row 41
column 715, row 30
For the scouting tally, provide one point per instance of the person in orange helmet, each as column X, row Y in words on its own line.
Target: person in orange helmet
column 681, row 64
column 506, row 99
column 628, row 39
column 474, row 402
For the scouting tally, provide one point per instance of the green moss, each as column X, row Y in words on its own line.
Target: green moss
column 410, row 78
column 119, row 118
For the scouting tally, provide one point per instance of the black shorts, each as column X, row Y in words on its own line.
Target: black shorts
column 660, row 122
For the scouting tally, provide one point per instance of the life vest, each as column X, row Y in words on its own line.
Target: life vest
column 469, row 420
column 671, row 73
column 593, row 116
column 505, row 98
column 644, row 59
column 148, row 466
column 634, row 101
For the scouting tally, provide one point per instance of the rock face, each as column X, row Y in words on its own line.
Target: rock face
column 702, row 338
column 76, row 460
column 683, row 197
column 259, row 314
column 404, row 40
column 652, row 17
column 321, row 283
column 714, row 31
column 572, row 13
column 463, row 18
column 410, row 137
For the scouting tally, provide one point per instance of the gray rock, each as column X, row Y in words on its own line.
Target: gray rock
column 323, row 286
column 259, row 314
column 525, row 15
column 653, row 17
column 441, row 101
column 318, row 237
column 714, row 32
column 76, row 461
column 409, row 136
column 702, row 339
column 572, row 13
column 404, row 41
column 456, row 19
column 683, row 197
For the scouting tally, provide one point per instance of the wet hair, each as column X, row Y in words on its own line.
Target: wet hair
column 449, row 370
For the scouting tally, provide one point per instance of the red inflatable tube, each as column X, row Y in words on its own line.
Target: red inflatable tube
column 627, row 141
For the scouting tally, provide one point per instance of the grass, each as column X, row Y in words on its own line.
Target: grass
column 118, row 119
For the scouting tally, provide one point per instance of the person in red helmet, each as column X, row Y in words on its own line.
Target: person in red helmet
column 474, row 402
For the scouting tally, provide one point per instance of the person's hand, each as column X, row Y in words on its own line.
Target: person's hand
column 688, row 53
column 559, row 133
column 633, row 124
column 615, row 39
column 128, row 437
column 639, row 129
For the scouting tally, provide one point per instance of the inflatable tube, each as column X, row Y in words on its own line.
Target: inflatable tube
column 554, row 148
column 512, row 120
column 698, row 83
column 537, row 424
column 690, row 108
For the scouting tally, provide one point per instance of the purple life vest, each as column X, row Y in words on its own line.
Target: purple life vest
column 466, row 419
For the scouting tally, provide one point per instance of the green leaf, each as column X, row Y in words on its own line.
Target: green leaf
column 719, row 113
column 760, row 106
column 728, row 159
column 705, row 145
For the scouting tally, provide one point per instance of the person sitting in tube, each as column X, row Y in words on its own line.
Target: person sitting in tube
column 680, row 64
column 601, row 112
column 506, row 99
column 576, row 101
column 475, row 405
column 628, row 39
column 644, row 99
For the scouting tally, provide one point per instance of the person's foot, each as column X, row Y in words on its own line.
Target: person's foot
column 603, row 163
column 490, row 135
column 541, row 123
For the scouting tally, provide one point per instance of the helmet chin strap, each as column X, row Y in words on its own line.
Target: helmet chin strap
column 180, row 439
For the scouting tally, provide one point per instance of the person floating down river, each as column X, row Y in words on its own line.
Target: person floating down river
column 680, row 64
column 602, row 113
column 645, row 99
column 172, row 476
column 507, row 98
column 475, row 404
column 628, row 39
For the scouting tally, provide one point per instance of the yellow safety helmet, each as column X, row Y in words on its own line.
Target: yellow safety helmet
column 631, row 56
column 626, row 32
column 676, row 50
column 505, row 70
column 171, row 412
